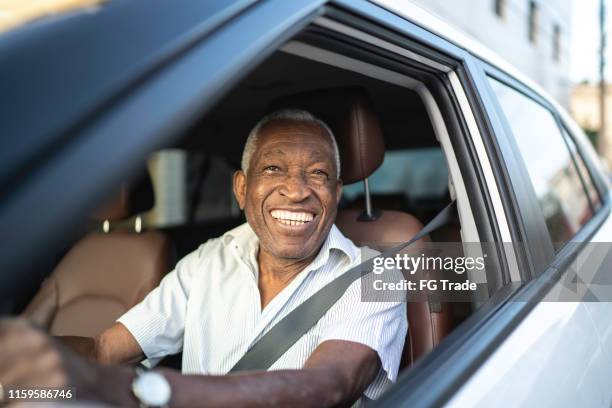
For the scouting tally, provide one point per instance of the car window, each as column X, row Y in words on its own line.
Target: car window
column 554, row 176
column 587, row 179
column 415, row 173
column 190, row 187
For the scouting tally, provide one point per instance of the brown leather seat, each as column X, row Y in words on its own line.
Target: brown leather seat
column 104, row 274
column 349, row 113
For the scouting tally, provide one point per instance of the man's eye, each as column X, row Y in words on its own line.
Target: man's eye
column 271, row 169
column 321, row 173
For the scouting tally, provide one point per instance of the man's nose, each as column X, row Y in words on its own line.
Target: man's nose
column 295, row 188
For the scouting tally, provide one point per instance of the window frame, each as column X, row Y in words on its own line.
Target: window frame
column 339, row 15
column 550, row 109
column 595, row 175
column 531, row 205
column 529, row 217
column 497, row 319
column 435, row 378
column 434, row 48
column 576, row 157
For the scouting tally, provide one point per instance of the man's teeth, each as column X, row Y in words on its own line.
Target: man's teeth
column 291, row 217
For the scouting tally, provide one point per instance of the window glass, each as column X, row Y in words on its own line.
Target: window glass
column 190, row 187
column 551, row 169
column 414, row 173
column 584, row 173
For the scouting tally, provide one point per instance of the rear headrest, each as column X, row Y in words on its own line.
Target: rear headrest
column 348, row 112
column 131, row 199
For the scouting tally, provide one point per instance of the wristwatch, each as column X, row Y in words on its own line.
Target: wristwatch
column 151, row 389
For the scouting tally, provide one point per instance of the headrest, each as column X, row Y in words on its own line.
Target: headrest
column 131, row 199
column 348, row 112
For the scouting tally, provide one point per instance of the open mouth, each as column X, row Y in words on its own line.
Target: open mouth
column 292, row 218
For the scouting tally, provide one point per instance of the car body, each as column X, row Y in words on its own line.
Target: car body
column 72, row 86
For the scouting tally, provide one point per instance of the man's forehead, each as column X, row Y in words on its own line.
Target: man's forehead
column 288, row 127
column 293, row 134
column 286, row 148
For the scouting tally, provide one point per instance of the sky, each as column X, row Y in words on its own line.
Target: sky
column 584, row 44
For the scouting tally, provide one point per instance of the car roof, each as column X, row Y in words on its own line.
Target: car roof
column 62, row 69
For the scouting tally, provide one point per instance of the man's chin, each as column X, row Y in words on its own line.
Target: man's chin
column 293, row 243
column 294, row 253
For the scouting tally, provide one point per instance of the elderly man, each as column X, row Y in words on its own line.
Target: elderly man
column 224, row 296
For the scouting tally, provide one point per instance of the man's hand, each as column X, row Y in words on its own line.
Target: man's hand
column 30, row 358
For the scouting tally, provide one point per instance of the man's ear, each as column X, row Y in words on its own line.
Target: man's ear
column 239, row 186
column 339, row 185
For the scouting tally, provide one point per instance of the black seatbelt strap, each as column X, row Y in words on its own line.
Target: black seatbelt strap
column 272, row 345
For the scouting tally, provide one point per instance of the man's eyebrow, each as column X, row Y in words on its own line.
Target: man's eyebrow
column 323, row 157
column 272, row 152
column 317, row 155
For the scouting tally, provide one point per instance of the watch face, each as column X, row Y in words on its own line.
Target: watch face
column 152, row 389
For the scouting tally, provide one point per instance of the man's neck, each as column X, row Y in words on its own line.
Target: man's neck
column 276, row 273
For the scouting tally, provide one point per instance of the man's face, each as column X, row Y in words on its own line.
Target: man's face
column 291, row 192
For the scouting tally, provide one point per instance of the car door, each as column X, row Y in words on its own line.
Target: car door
column 528, row 353
column 559, row 354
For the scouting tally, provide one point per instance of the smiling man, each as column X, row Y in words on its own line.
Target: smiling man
column 224, row 296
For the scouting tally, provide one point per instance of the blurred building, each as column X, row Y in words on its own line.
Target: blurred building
column 584, row 106
column 532, row 35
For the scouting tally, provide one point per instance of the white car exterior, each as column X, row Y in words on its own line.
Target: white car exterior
column 560, row 355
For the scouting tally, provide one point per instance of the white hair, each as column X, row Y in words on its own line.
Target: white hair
column 286, row 114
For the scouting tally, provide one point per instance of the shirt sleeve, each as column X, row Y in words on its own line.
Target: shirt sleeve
column 158, row 322
column 382, row 326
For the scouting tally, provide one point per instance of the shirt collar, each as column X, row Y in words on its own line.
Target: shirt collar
column 246, row 243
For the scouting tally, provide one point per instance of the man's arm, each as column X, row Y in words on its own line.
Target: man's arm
column 336, row 373
column 115, row 345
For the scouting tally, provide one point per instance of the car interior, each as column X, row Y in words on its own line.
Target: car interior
column 395, row 172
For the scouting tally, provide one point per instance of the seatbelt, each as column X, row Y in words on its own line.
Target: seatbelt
column 272, row 345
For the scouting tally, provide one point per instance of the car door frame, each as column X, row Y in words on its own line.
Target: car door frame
column 437, row 376
column 529, row 207
column 554, row 266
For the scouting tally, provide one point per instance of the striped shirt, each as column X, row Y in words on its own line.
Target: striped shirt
column 209, row 307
